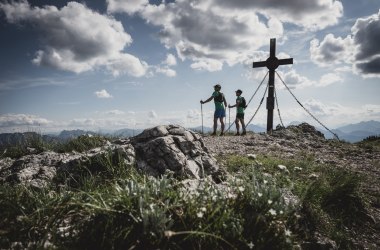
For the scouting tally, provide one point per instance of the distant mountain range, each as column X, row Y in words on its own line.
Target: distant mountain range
column 351, row 133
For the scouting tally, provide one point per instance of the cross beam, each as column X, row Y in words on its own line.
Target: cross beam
column 272, row 64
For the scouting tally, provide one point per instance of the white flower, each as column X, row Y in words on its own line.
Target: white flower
column 200, row 214
column 270, row 202
column 265, row 181
column 272, row 212
column 203, row 209
column 283, row 168
column 287, row 232
column 259, row 194
column 250, row 245
column 241, row 189
column 298, row 169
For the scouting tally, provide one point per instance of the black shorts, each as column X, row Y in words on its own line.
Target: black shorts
column 240, row 116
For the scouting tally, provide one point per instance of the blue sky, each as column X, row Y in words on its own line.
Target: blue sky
column 112, row 64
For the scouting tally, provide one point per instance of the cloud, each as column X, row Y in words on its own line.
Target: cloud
column 227, row 31
column 10, row 120
column 170, row 60
column 127, row 64
column 130, row 6
column 76, row 38
column 114, row 112
column 164, row 67
column 294, row 80
column 361, row 48
column 207, row 36
column 331, row 50
column 103, row 94
column 311, row 14
column 152, row 114
column 329, row 79
column 166, row 71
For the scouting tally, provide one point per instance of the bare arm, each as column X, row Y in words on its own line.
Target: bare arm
column 209, row 99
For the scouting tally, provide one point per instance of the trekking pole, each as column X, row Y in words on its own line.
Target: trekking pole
column 202, row 116
column 229, row 119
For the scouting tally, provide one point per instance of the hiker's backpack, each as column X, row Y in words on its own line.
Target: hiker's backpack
column 219, row 98
column 243, row 103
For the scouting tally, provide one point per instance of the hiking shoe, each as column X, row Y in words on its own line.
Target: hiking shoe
column 237, row 134
column 244, row 133
column 213, row 134
column 221, row 134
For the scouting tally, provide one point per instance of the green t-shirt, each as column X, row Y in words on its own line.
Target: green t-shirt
column 239, row 110
column 218, row 105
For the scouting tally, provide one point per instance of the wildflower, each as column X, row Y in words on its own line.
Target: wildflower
column 298, row 169
column 250, row 245
column 200, row 214
column 241, row 189
column 272, row 212
column 169, row 233
column 265, row 181
column 287, row 232
column 270, row 202
column 203, row 209
column 259, row 194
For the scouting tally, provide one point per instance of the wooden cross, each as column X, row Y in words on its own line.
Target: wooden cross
column 272, row 64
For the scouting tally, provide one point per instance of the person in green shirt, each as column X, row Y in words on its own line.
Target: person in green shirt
column 220, row 111
column 240, row 106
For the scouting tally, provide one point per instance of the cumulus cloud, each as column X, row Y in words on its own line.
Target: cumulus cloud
column 361, row 48
column 294, row 80
column 103, row 94
column 331, row 50
column 17, row 120
column 164, row 67
column 207, row 36
column 130, row 6
column 312, row 14
column 166, row 71
column 216, row 32
column 76, row 38
column 170, row 60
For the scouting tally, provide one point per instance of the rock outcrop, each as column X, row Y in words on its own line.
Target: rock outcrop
column 175, row 149
column 39, row 170
column 155, row 151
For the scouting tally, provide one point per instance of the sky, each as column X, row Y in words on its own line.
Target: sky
column 112, row 64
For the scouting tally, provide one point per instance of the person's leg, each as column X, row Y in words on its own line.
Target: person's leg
column 222, row 125
column 243, row 126
column 215, row 125
column 237, row 126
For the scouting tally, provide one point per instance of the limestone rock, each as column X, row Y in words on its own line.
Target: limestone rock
column 39, row 170
column 173, row 148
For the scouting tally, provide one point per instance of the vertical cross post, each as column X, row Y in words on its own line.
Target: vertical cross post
column 272, row 64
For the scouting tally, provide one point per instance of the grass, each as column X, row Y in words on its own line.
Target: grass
column 105, row 204
column 35, row 144
column 370, row 144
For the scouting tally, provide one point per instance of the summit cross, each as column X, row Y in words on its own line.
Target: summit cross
column 272, row 64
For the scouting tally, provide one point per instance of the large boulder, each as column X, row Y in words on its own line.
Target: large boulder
column 173, row 148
